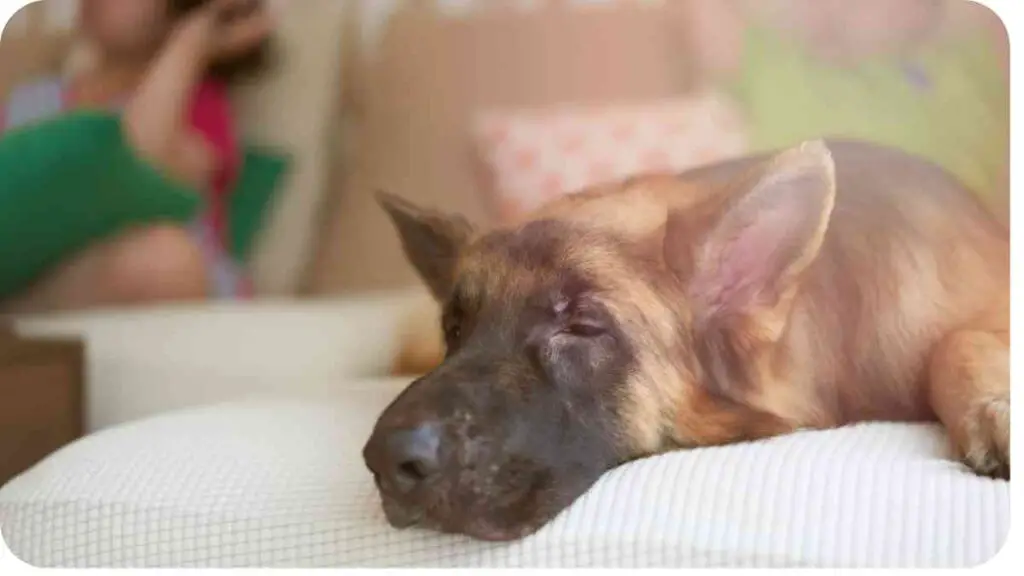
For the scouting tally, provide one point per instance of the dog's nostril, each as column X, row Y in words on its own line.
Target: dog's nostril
column 412, row 470
column 415, row 455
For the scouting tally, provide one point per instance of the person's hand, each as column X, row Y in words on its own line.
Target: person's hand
column 227, row 28
column 153, row 117
column 242, row 25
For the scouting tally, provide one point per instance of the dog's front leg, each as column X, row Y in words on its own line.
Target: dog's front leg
column 969, row 390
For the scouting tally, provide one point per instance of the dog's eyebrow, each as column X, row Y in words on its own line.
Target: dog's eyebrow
column 464, row 301
column 537, row 244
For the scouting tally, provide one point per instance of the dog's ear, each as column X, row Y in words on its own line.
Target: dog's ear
column 745, row 264
column 431, row 240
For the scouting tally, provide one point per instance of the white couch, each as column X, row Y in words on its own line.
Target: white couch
column 150, row 361
column 231, row 437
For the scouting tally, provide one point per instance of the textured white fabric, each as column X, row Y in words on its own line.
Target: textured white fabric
column 272, row 482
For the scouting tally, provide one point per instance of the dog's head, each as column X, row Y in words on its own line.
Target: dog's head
column 613, row 327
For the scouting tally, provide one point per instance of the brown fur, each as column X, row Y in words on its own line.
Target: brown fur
column 897, row 308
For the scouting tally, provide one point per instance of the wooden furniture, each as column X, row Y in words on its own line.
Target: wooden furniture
column 41, row 408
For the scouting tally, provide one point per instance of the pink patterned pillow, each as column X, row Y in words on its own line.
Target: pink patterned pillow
column 534, row 155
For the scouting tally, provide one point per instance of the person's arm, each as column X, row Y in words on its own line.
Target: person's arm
column 157, row 118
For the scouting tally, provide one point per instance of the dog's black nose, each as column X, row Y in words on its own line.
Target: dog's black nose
column 410, row 456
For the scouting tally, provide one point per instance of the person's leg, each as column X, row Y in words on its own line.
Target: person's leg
column 152, row 264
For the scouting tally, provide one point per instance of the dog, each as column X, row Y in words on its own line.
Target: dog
column 817, row 286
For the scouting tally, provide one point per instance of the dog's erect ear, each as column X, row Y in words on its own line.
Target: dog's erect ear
column 745, row 266
column 431, row 240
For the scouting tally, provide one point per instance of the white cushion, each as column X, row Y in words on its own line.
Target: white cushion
column 275, row 482
column 142, row 362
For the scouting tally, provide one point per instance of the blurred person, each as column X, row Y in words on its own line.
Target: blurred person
column 165, row 66
column 930, row 77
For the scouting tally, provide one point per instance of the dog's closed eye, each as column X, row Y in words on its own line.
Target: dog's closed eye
column 452, row 332
column 584, row 328
column 452, row 323
column 580, row 317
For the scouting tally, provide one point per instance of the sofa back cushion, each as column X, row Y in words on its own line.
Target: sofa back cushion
column 414, row 97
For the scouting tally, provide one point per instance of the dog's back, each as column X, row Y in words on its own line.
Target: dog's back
column 909, row 254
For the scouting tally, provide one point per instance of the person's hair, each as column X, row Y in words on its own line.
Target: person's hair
column 242, row 67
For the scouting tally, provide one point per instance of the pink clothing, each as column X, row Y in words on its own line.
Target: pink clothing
column 211, row 116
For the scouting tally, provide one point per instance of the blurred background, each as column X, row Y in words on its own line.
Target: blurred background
column 488, row 107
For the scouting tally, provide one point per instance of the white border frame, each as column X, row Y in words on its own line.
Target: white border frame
column 1009, row 11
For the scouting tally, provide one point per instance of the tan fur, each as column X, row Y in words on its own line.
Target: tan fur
column 660, row 384
column 420, row 345
column 970, row 387
column 930, row 338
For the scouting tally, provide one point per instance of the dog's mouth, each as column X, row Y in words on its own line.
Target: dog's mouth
column 467, row 511
column 477, row 528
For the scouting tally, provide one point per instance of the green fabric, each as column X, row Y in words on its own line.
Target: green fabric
column 957, row 117
column 258, row 182
column 68, row 181
column 71, row 180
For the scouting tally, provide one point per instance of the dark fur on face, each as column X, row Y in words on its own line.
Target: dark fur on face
column 526, row 400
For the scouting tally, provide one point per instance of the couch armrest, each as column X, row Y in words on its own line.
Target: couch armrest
column 296, row 106
column 149, row 361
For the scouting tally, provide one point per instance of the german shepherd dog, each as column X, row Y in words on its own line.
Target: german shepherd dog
column 830, row 283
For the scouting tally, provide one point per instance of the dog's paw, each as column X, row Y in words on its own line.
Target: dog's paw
column 986, row 442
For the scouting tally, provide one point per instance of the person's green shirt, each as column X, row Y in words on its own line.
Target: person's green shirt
column 949, row 104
